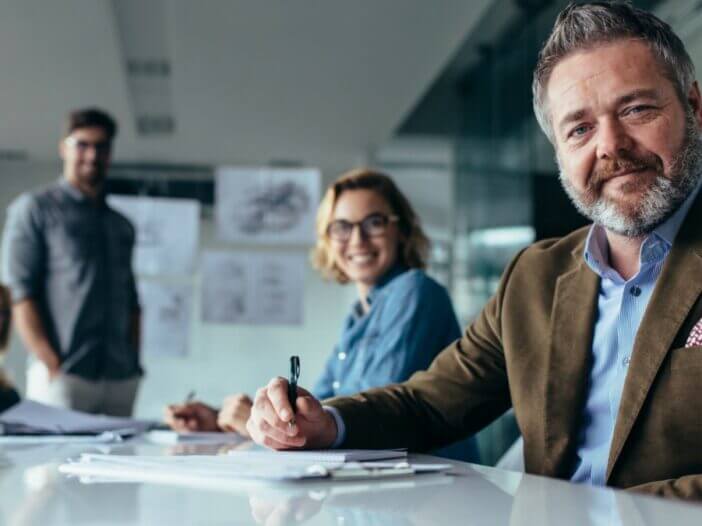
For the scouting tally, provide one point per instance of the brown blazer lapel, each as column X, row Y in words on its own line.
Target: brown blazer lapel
column 569, row 362
column 678, row 288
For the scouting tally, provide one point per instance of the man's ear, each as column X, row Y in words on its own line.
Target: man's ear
column 62, row 148
column 694, row 99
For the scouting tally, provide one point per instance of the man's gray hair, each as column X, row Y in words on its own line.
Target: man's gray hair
column 585, row 26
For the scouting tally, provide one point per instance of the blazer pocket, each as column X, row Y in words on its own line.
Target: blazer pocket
column 686, row 358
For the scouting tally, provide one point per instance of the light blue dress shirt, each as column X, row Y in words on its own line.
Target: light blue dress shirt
column 620, row 307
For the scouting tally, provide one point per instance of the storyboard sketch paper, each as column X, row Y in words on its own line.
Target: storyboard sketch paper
column 167, row 232
column 166, row 315
column 267, row 205
column 256, row 288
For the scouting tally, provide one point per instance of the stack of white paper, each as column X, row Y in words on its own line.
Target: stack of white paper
column 243, row 468
column 31, row 419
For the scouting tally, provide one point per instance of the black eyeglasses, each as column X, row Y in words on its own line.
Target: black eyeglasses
column 374, row 225
column 101, row 148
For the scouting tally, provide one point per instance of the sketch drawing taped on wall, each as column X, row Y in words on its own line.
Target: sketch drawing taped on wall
column 167, row 313
column 266, row 205
column 168, row 232
column 223, row 288
column 276, row 207
column 258, row 288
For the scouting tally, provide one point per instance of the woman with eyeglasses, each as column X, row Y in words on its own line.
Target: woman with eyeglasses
column 369, row 235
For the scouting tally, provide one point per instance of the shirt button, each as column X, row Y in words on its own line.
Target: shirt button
column 336, row 384
column 342, row 356
column 626, row 360
column 635, row 291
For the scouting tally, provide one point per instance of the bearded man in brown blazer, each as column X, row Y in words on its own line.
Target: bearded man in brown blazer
column 592, row 338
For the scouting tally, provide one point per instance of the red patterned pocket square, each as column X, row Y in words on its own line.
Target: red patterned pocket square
column 695, row 338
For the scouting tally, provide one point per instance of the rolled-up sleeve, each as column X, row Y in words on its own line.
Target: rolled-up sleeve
column 23, row 249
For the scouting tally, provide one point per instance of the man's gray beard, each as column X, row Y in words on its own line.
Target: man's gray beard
column 660, row 200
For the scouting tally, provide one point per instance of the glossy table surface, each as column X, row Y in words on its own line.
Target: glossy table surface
column 32, row 491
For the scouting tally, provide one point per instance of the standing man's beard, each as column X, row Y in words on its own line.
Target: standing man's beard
column 659, row 200
column 94, row 176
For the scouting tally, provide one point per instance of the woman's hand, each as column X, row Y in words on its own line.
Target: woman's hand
column 234, row 414
column 192, row 416
column 270, row 423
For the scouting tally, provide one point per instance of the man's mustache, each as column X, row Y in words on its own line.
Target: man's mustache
column 611, row 168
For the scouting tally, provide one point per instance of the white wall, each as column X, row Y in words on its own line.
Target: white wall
column 223, row 359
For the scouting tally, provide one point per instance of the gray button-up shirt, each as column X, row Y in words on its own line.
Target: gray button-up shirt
column 73, row 258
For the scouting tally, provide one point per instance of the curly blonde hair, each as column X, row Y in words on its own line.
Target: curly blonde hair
column 414, row 244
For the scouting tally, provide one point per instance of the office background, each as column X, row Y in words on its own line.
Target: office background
column 436, row 93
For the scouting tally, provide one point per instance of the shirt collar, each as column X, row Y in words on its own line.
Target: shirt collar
column 391, row 274
column 654, row 248
column 76, row 194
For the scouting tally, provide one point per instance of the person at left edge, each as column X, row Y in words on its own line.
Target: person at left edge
column 67, row 260
column 8, row 394
column 368, row 235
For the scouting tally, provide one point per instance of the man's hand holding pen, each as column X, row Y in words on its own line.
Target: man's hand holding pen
column 271, row 416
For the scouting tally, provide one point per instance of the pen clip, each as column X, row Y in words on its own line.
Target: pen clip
column 292, row 384
column 294, row 369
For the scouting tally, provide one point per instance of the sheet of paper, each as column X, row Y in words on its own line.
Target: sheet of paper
column 266, row 205
column 106, row 437
column 40, row 417
column 168, row 232
column 257, row 288
column 324, row 456
column 166, row 318
column 196, row 437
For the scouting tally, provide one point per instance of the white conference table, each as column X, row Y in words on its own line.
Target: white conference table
column 33, row 492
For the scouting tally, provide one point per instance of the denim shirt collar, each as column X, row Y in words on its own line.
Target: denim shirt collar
column 391, row 274
column 654, row 248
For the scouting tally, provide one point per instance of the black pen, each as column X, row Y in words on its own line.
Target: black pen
column 292, row 386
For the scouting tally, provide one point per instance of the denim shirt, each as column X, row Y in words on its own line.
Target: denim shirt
column 409, row 321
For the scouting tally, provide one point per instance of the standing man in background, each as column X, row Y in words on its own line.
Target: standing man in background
column 67, row 259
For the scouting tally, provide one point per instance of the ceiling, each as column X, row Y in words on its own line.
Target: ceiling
column 316, row 82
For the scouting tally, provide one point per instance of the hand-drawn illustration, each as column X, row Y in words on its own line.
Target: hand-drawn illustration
column 166, row 317
column 266, row 205
column 224, row 298
column 263, row 288
column 167, row 232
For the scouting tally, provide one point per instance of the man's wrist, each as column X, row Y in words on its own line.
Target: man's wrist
column 339, row 424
